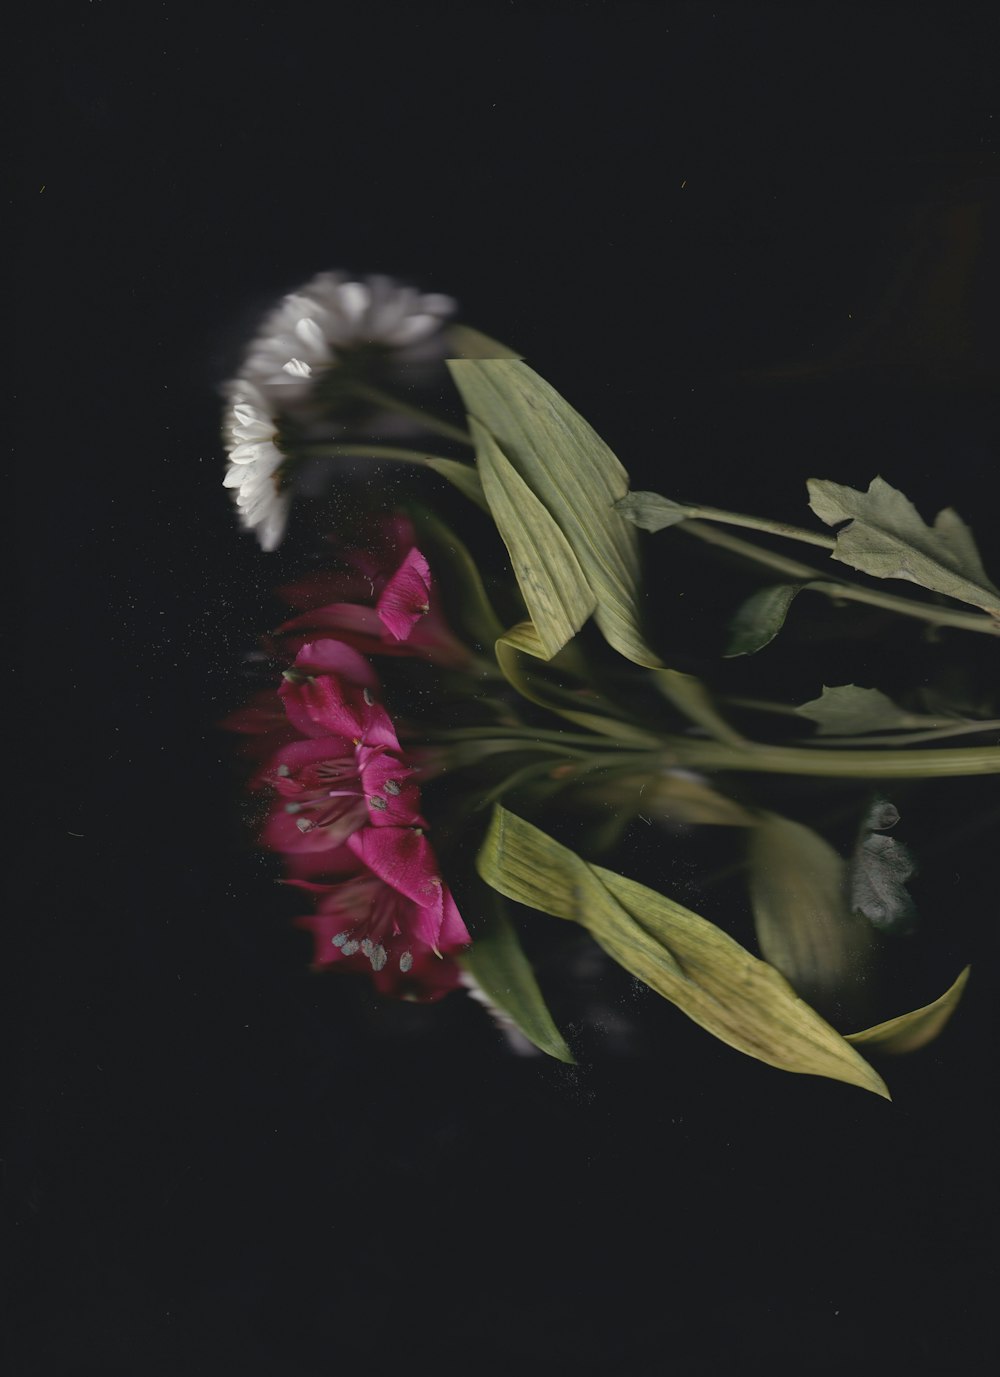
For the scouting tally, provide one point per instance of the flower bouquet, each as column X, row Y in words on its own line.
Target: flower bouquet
column 469, row 701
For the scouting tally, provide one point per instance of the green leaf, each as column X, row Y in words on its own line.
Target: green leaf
column 555, row 591
column 910, row 1031
column 650, row 511
column 574, row 475
column 879, row 870
column 887, row 538
column 497, row 963
column 711, row 978
column 803, row 924
column 760, row 618
column 847, row 710
column 466, row 343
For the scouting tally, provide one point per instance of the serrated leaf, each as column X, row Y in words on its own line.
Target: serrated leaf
column 887, row 538
column 650, row 511
column 497, row 963
column 879, row 869
column 760, row 618
column 574, row 475
column 803, row 923
column 704, row 972
column 847, row 710
column 555, row 591
column 908, row 1032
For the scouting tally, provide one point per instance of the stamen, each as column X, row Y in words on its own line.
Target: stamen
column 378, row 956
column 405, row 961
column 391, row 786
column 378, row 802
column 303, row 824
column 366, row 946
column 369, row 697
column 340, row 939
column 283, row 771
column 349, row 948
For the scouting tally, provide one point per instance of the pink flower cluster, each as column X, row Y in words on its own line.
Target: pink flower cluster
column 345, row 811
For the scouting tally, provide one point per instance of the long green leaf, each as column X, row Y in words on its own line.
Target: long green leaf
column 497, row 963
column 555, row 591
column 887, row 538
column 803, row 923
column 577, row 478
column 908, row 1032
column 465, row 343
column 689, row 961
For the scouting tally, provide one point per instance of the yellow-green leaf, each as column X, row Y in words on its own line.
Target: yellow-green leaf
column 555, row 591
column 803, row 923
column 704, row 972
column 651, row 512
column 760, row 618
column 574, row 475
column 466, row 343
column 887, row 538
column 910, row 1031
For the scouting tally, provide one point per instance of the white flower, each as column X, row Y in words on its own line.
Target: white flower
column 254, row 461
column 310, row 332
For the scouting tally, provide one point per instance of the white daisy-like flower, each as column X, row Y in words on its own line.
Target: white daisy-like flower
column 254, row 462
column 309, row 335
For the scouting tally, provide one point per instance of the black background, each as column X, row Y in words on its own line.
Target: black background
column 752, row 244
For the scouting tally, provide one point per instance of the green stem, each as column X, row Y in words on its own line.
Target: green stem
column 389, row 402
column 761, row 523
column 835, row 588
column 806, row 760
column 905, row 738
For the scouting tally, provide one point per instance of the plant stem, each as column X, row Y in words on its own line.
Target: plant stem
column 834, row 588
column 761, row 523
column 806, row 760
column 389, row 402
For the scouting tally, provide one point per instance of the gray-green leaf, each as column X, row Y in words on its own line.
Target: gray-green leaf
column 887, row 538
column 650, row 511
column 848, row 710
column 704, row 972
column 760, row 618
column 908, row 1032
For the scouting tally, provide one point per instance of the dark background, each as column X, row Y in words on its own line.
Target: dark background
column 753, row 243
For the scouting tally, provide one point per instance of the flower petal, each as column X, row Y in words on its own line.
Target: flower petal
column 406, row 597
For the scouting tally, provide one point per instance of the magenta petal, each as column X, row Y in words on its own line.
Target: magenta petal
column 334, row 657
column 406, row 597
column 453, row 932
column 403, row 858
column 393, row 798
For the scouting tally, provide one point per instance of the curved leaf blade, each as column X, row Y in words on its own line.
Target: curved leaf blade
column 704, row 972
column 908, row 1032
column 555, row 591
column 651, row 512
column 497, row 963
column 574, row 475
column 848, row 710
column 760, row 618
column 803, row 924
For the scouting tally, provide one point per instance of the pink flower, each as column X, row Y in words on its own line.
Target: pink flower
column 392, row 912
column 407, row 618
column 347, row 773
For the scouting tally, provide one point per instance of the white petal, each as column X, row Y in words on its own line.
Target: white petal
column 411, row 329
column 297, row 368
column 353, row 299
